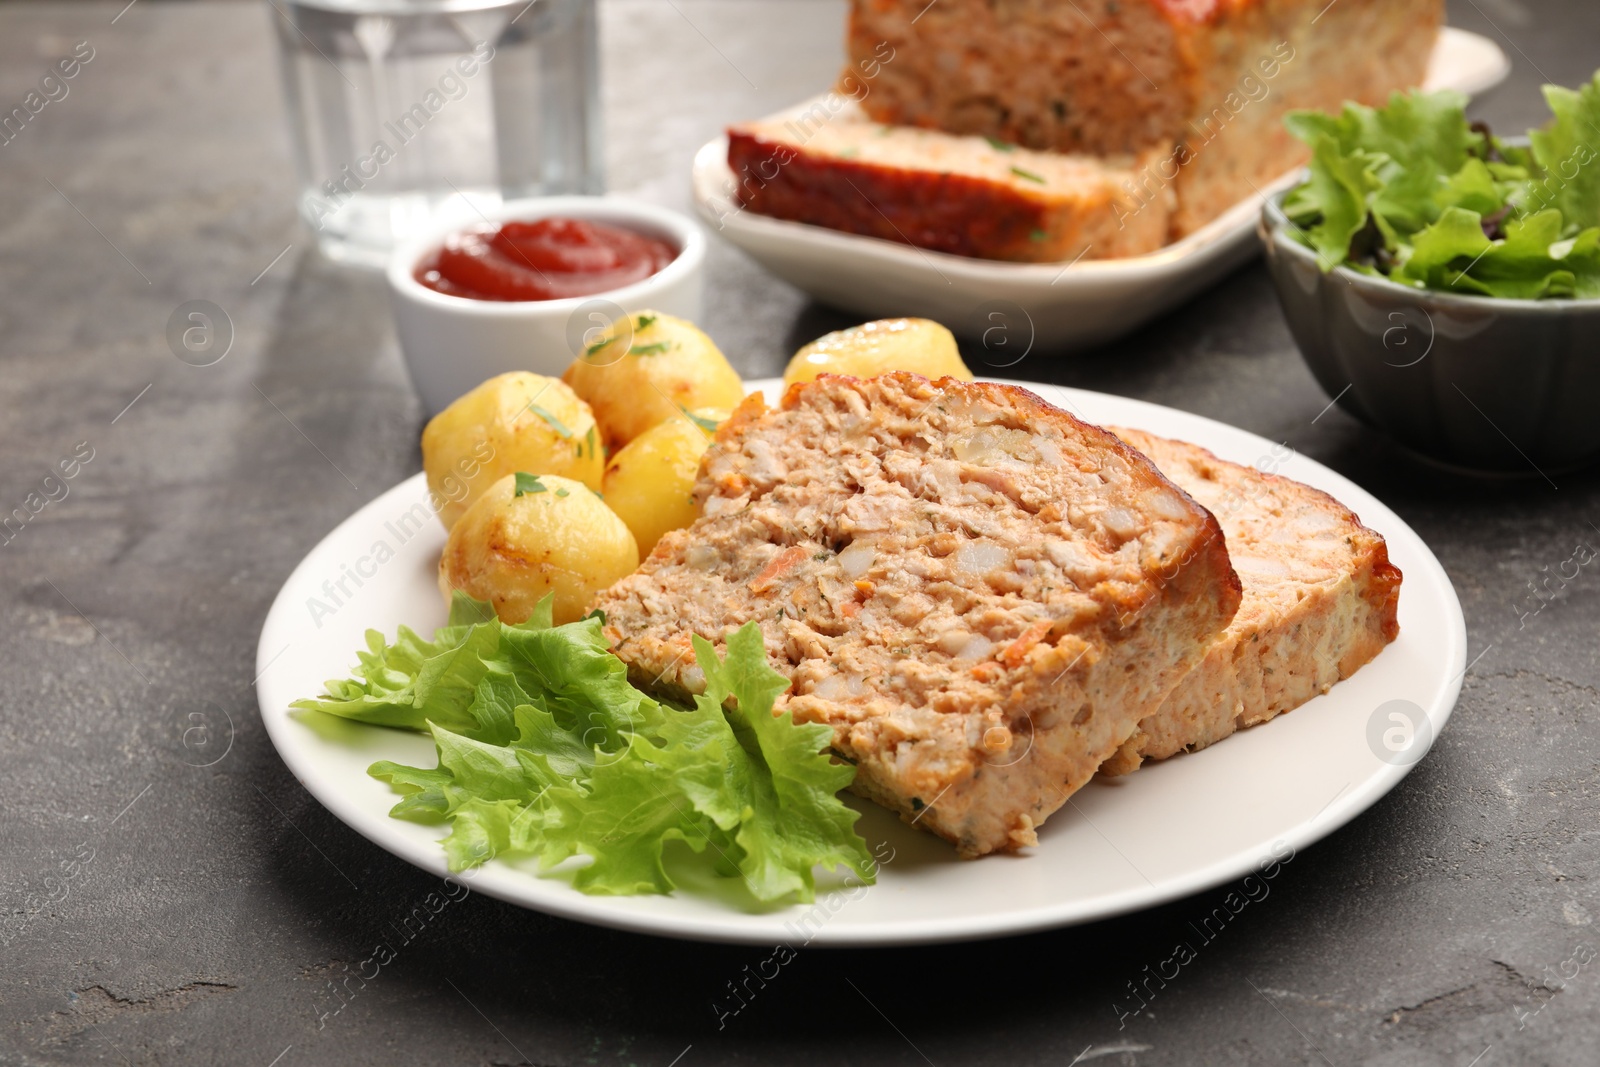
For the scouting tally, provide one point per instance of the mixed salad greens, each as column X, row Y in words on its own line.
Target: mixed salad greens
column 1415, row 193
column 547, row 751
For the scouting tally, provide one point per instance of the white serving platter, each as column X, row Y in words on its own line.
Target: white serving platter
column 1169, row 830
column 1048, row 307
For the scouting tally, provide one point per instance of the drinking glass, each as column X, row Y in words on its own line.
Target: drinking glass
column 406, row 111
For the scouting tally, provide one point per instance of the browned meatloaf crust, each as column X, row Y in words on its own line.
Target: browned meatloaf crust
column 1212, row 78
column 1320, row 601
column 953, row 194
column 982, row 595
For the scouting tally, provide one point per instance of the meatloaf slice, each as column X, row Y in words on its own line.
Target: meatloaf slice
column 962, row 195
column 982, row 595
column 1320, row 597
column 1210, row 78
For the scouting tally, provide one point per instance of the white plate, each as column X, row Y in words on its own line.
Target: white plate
column 1171, row 829
column 1050, row 306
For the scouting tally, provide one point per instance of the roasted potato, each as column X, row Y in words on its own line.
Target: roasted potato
column 647, row 369
column 873, row 348
column 649, row 480
column 515, row 422
column 526, row 536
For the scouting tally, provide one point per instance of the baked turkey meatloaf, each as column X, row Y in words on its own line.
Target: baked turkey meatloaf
column 981, row 595
column 953, row 194
column 1320, row 601
column 1211, row 79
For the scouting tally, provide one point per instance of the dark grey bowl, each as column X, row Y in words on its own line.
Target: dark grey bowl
column 1475, row 382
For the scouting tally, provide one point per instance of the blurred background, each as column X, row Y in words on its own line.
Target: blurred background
column 129, row 614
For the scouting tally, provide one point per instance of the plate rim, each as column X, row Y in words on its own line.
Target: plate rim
column 510, row 884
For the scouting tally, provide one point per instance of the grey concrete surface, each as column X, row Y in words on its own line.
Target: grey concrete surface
column 157, row 912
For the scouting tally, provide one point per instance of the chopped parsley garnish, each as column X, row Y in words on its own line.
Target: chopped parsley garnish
column 1028, row 174
column 644, row 322
column 999, row 145
column 649, row 350
column 528, row 483
column 598, row 345
column 555, row 424
column 562, row 492
column 589, row 437
column 708, row 425
column 1038, row 235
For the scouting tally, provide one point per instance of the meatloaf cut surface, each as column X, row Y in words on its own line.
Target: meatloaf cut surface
column 981, row 595
column 1320, row 601
column 946, row 192
column 1211, row 79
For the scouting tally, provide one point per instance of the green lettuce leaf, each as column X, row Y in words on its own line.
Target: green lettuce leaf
column 1332, row 204
column 494, row 706
column 545, row 750
column 480, row 830
column 1567, row 152
column 789, row 784
column 1442, row 253
column 412, row 681
column 579, row 681
column 1472, row 188
column 1393, row 163
column 423, row 791
column 624, row 815
column 1411, row 191
column 1533, row 261
column 757, row 790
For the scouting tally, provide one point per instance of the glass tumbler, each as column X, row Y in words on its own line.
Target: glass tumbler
column 403, row 112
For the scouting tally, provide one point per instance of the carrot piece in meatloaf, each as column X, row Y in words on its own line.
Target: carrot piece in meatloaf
column 980, row 594
column 1210, row 79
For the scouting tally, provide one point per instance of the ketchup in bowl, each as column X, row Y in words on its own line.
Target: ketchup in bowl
column 549, row 259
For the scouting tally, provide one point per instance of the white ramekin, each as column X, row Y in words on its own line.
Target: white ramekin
column 451, row 343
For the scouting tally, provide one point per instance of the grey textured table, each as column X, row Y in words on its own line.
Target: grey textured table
column 205, row 910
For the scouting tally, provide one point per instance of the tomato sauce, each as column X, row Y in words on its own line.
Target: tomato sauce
column 549, row 259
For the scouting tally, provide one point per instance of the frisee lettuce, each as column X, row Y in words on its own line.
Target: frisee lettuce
column 547, row 751
column 1415, row 193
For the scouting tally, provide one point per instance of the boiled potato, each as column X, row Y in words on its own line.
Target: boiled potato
column 526, row 536
column 515, row 422
column 648, row 369
column 649, row 480
column 873, row 348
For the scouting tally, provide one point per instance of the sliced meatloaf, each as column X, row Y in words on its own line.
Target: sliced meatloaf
column 1211, row 79
column 982, row 595
column 957, row 194
column 1320, row 598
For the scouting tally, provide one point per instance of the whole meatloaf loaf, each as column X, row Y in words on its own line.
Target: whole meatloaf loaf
column 1211, row 79
column 1320, row 600
column 953, row 194
column 982, row 595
